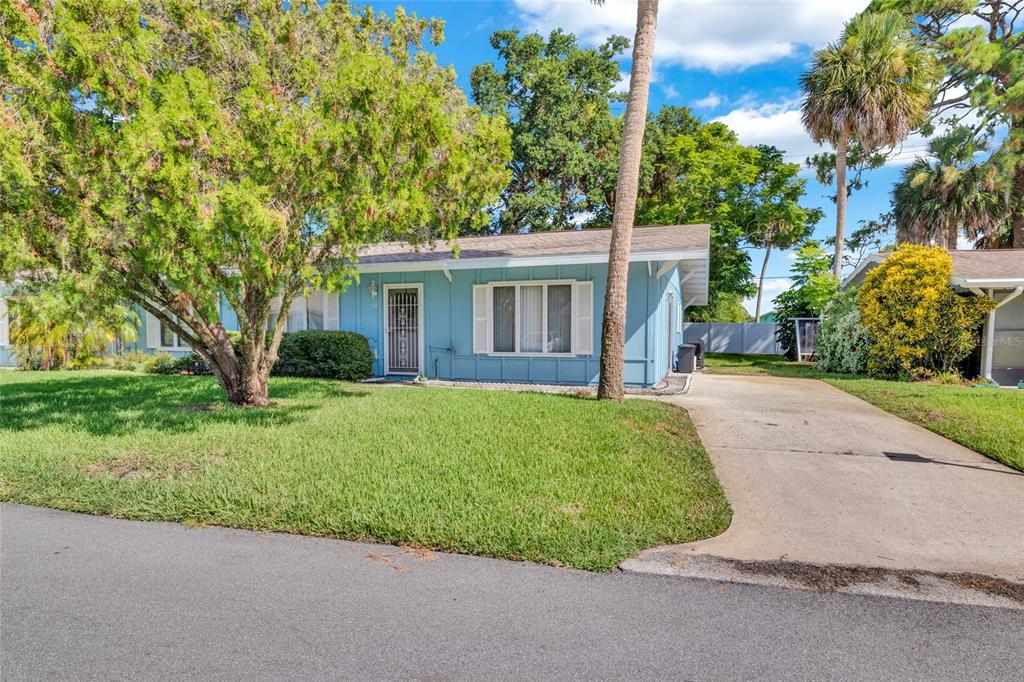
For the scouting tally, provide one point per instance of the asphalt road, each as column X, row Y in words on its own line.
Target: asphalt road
column 88, row 598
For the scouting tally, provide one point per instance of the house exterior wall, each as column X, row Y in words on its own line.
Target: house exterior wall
column 1008, row 343
column 448, row 324
column 653, row 329
column 7, row 358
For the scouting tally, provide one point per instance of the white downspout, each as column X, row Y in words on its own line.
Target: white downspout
column 990, row 327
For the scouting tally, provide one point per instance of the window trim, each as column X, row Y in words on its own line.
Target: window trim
column 172, row 349
column 545, row 283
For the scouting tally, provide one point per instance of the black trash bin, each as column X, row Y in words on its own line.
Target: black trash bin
column 699, row 359
column 686, row 358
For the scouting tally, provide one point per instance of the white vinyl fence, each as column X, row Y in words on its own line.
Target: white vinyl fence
column 746, row 338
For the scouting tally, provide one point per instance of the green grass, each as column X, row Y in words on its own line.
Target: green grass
column 760, row 365
column 986, row 420
column 548, row 478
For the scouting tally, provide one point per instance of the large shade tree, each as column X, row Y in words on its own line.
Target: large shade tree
column 557, row 98
column 873, row 86
column 177, row 151
column 948, row 194
column 696, row 172
column 611, row 384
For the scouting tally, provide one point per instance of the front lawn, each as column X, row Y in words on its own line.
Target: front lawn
column 986, row 420
column 548, row 478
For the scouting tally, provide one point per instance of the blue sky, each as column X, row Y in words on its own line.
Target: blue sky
column 735, row 60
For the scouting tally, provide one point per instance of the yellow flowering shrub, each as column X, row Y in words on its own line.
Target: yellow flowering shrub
column 918, row 324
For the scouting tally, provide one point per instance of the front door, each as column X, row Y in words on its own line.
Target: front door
column 402, row 334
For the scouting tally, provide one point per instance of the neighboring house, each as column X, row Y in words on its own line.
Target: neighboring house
column 998, row 273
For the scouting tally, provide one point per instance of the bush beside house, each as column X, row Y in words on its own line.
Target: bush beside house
column 917, row 324
column 326, row 355
column 844, row 343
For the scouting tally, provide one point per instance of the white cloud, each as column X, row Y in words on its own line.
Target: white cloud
column 621, row 86
column 772, row 288
column 709, row 34
column 671, row 92
column 775, row 123
column 779, row 124
column 712, row 100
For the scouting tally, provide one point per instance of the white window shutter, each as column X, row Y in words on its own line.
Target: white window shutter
column 331, row 314
column 481, row 318
column 275, row 309
column 583, row 322
column 5, row 326
column 152, row 330
column 297, row 314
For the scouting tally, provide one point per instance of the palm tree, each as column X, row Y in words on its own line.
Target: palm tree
column 873, row 86
column 613, row 324
column 53, row 327
column 939, row 198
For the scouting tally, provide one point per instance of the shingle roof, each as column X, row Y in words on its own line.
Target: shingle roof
column 988, row 264
column 977, row 266
column 659, row 239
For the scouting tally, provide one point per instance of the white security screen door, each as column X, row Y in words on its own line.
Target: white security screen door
column 402, row 330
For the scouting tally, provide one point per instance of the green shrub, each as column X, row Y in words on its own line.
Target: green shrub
column 843, row 342
column 165, row 363
column 324, row 354
column 952, row 378
column 129, row 360
column 158, row 363
column 918, row 325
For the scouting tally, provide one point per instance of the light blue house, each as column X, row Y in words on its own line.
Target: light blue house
column 509, row 308
column 7, row 358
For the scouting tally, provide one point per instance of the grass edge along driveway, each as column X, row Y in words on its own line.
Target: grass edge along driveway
column 554, row 479
column 989, row 421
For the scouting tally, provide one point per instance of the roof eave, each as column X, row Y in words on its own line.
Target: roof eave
column 526, row 261
column 987, row 283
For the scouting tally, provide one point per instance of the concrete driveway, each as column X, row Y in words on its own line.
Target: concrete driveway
column 817, row 475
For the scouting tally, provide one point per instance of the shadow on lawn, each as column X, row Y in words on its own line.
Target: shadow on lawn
column 120, row 404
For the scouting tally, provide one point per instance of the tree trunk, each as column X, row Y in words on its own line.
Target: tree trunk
column 844, row 141
column 760, row 282
column 1017, row 224
column 952, row 235
column 613, row 324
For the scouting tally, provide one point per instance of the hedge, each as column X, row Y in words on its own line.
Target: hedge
column 324, row 354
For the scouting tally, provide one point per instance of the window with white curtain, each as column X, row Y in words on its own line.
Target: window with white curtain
column 531, row 318
column 304, row 313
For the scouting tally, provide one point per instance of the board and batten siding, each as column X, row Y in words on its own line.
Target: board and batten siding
column 456, row 334
column 7, row 358
column 456, row 329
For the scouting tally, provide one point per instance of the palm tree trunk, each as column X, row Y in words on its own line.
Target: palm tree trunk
column 952, row 234
column 1017, row 224
column 760, row 281
column 613, row 324
column 841, row 147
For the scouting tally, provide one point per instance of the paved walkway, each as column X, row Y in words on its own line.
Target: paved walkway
column 91, row 598
column 817, row 475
